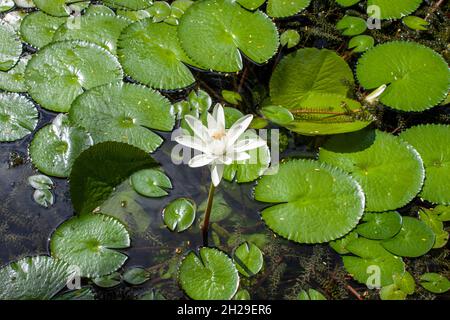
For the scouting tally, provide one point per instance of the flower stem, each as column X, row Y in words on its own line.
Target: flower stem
column 205, row 226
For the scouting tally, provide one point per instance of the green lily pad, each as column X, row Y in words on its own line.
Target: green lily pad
column 210, row 275
column 14, row 79
column 277, row 114
column 370, row 256
column 10, row 47
column 136, row 276
column 89, row 241
column 290, row 38
column 101, row 29
column 431, row 141
column 129, row 4
column 40, row 182
column 325, row 114
column 435, row 282
column 347, row 3
column 251, row 4
column 109, row 281
column 60, row 72
column 380, row 226
column 242, row 295
column 18, row 117
column 311, row 294
column 44, row 198
column 326, row 197
column 151, row 183
column 92, row 179
column 226, row 30
column 415, row 23
column 55, row 147
column 38, row 28
column 179, row 215
column 417, row 77
column 81, row 294
column 151, row 54
column 124, row 112
column 309, row 71
column 284, row 8
column 414, row 239
column 351, row 26
column 361, row 43
column 340, row 245
column 432, row 218
column 389, row 170
column 394, row 9
column 248, row 259
column 59, row 8
column 403, row 285
column 33, row 278
column 98, row 9
column 25, row 3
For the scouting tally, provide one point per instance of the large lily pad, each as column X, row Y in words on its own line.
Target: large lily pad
column 314, row 202
column 370, row 257
column 101, row 29
column 38, row 28
column 10, row 47
column 210, row 275
column 88, row 242
column 432, row 143
column 394, row 9
column 414, row 239
column 129, row 4
column 93, row 178
column 55, row 147
column 417, row 77
column 33, row 278
column 226, row 28
column 389, row 170
column 309, row 71
column 284, row 8
column 151, row 54
column 18, row 117
column 124, row 112
column 58, row 8
column 62, row 71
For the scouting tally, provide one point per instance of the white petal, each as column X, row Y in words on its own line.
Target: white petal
column 197, row 126
column 226, row 160
column 219, row 115
column 241, row 156
column 200, row 160
column 248, row 144
column 193, row 143
column 212, row 123
column 238, row 128
column 216, row 174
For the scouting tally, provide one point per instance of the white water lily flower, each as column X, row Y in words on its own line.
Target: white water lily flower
column 372, row 97
column 218, row 145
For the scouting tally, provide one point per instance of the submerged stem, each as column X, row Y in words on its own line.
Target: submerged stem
column 205, row 226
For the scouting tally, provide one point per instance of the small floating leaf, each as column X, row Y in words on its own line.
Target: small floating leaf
column 394, row 9
column 290, row 38
column 351, row 26
column 414, row 239
column 390, row 171
column 43, row 198
column 55, row 147
column 380, row 226
column 231, row 97
column 435, row 282
column 432, row 218
column 33, row 278
column 340, row 245
column 124, row 112
column 248, row 259
column 108, row 281
column 277, row 114
column 151, row 183
column 242, row 295
column 327, row 197
column 432, row 143
column 136, row 276
column 415, row 23
column 311, row 294
column 63, row 70
column 179, row 215
column 361, row 43
column 93, row 179
column 403, row 285
column 10, row 47
column 226, row 30
column 210, row 275
column 417, row 77
column 347, row 3
column 40, row 182
column 88, row 242
column 18, row 117
column 14, row 79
